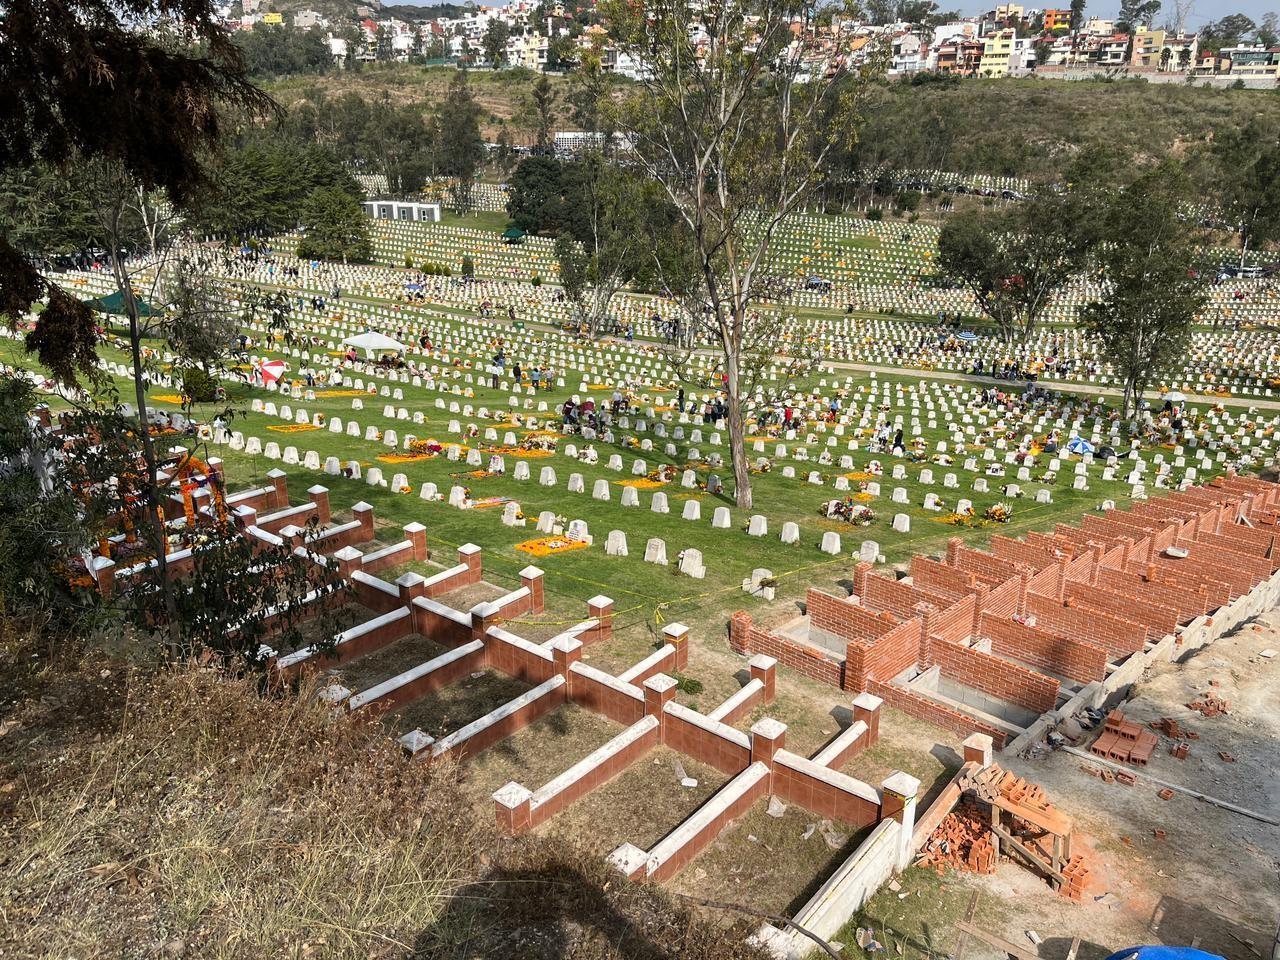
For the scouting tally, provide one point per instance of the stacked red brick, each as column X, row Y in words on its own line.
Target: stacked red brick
column 1054, row 605
column 1124, row 741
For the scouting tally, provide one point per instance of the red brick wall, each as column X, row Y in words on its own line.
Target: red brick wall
column 1044, row 583
column 427, row 683
column 845, row 619
column 1017, row 551
column 390, row 558
column 999, row 678
column 597, row 777
column 512, row 659
column 1118, row 637
column 1080, row 569
column 1158, row 619
column 895, row 651
column 440, row 628
column 956, row 622
column 681, row 858
column 588, row 691
column 507, row 726
column 985, row 565
column 924, row 709
column 1068, row 658
column 930, row 574
column 899, row 598
column 375, row 598
column 1003, row 600
column 1189, row 600
column 705, row 746
column 807, row 660
column 824, row 799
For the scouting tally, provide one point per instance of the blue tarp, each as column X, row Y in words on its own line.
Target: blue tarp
column 1163, row 953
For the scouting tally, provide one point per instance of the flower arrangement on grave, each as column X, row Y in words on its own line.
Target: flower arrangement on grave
column 763, row 465
column 429, row 447
column 471, row 432
column 406, row 488
column 1049, row 476
column 875, row 469
column 917, row 456
column 998, row 513
column 546, row 546
column 995, row 470
column 942, row 460
column 402, row 457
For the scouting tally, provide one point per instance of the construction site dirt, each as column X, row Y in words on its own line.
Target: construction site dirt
column 1165, row 867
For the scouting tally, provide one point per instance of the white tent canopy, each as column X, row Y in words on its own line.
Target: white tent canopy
column 371, row 342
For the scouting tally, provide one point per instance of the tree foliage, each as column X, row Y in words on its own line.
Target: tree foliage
column 1151, row 290
column 334, row 228
column 734, row 118
column 462, row 150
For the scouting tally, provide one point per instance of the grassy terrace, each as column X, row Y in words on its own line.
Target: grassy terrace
column 640, row 590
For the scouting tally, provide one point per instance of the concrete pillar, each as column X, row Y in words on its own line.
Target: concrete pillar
column 531, row 578
column 977, row 749
column 320, row 498
column 293, row 535
column 767, row 738
column 411, row 585
column 677, row 634
column 280, row 481
column 511, row 806
column 104, row 574
column 659, row 690
column 600, row 609
column 417, row 744
column 416, row 534
column 363, row 513
column 246, row 517
column 765, row 669
column 899, row 792
column 866, row 707
column 483, row 616
column 566, row 652
column 471, row 556
column 349, row 560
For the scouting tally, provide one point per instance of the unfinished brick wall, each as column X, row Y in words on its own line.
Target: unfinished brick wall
column 810, row 662
column 934, row 575
column 1074, row 659
column 1118, row 637
column 999, row 678
column 1005, row 600
column 956, row 622
column 1160, row 620
column 1189, row 600
column 845, row 619
column 927, row 710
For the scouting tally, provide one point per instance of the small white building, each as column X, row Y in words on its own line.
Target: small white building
column 402, row 210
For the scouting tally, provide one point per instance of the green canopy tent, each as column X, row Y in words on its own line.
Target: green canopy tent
column 114, row 303
column 513, row 235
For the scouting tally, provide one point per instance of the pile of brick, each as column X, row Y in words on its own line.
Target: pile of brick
column 962, row 841
column 1077, row 875
column 1124, row 741
column 1209, row 704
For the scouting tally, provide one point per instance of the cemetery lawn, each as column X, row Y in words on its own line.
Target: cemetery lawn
column 641, row 591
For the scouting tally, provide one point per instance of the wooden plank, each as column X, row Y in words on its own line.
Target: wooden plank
column 1012, row 949
column 968, row 918
column 1075, row 948
column 1027, row 855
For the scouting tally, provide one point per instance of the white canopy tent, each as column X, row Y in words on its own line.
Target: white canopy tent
column 372, row 342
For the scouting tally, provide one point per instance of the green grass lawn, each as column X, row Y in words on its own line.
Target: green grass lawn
column 641, row 590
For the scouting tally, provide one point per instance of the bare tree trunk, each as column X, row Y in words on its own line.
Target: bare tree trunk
column 737, row 430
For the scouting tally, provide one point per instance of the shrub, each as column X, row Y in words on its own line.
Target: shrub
column 200, row 385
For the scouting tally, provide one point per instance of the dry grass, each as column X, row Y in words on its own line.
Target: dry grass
column 181, row 813
column 215, row 822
